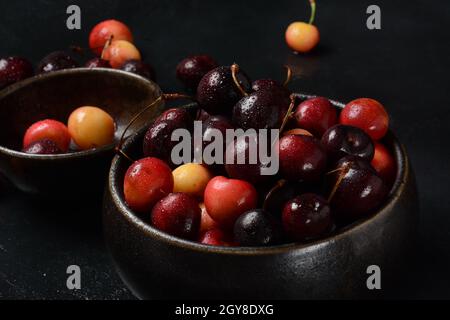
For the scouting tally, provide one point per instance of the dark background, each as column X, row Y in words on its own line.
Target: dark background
column 404, row 65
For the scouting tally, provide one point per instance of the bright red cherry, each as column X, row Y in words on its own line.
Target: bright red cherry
column 177, row 214
column 226, row 199
column 316, row 115
column 215, row 237
column 146, row 182
column 368, row 115
column 301, row 157
column 48, row 129
column 383, row 162
column 103, row 31
column 207, row 223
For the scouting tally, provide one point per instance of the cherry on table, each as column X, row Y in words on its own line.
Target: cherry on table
column 192, row 69
column 302, row 36
column 48, row 129
column 316, row 115
column 106, row 30
column 44, row 146
column 140, row 68
column 56, row 61
column 177, row 214
column 14, row 69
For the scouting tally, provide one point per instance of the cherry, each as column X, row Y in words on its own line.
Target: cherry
column 98, row 63
column 140, row 68
column 257, row 228
column 146, row 182
column 215, row 237
column 298, row 131
column 217, row 93
column 44, row 146
column 191, row 178
column 226, row 199
column 192, row 69
column 106, row 30
column 179, row 115
column 316, row 115
column 91, row 127
column 301, row 157
column 260, row 110
column 14, row 69
column 368, row 115
column 384, row 164
column 55, row 61
column 307, row 217
column 120, row 51
column 207, row 223
column 48, row 129
column 301, row 36
column 281, row 193
column 273, row 86
column 356, row 189
column 177, row 214
column 341, row 140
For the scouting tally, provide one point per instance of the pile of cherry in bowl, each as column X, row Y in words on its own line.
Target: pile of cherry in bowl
column 333, row 169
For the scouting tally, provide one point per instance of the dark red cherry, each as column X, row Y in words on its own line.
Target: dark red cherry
column 140, row 68
column 192, row 69
column 316, row 115
column 14, row 69
column 307, row 217
column 98, row 63
column 355, row 189
column 301, row 157
column 44, row 146
column 341, row 140
column 282, row 192
column 217, row 93
column 260, row 110
column 181, row 116
column 272, row 86
column 55, row 61
column 178, row 214
column 257, row 228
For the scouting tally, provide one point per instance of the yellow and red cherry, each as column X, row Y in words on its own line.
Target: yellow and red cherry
column 120, row 51
column 106, row 30
column 48, row 129
column 191, row 178
column 91, row 127
column 226, row 199
column 146, row 182
column 298, row 131
column 302, row 36
column 384, row 164
column 368, row 115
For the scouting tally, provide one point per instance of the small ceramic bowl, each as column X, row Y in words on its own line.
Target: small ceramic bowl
column 155, row 265
column 55, row 96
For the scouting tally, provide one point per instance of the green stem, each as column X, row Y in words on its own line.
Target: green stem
column 313, row 11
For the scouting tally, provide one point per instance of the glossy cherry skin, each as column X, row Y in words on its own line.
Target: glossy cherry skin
column 384, row 163
column 272, row 86
column 191, row 178
column 44, row 146
column 140, row 68
column 192, row 69
column 217, row 93
column 14, row 69
column 177, row 214
column 207, row 223
column 102, row 32
column 257, row 228
column 55, row 61
column 301, row 158
column 358, row 189
column 119, row 52
column 260, row 110
column 341, row 140
column 368, row 115
column 226, row 199
column 302, row 37
column 277, row 197
column 98, row 63
column 307, row 217
column 48, row 129
column 215, row 237
column 316, row 115
column 146, row 182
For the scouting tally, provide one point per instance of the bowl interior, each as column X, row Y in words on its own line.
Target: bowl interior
column 133, row 147
column 56, row 95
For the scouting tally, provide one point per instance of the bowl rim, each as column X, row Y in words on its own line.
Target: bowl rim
column 82, row 70
column 403, row 171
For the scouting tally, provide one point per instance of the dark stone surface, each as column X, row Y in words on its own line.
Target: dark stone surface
column 404, row 65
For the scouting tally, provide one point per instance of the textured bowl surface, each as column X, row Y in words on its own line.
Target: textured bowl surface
column 55, row 96
column 155, row 265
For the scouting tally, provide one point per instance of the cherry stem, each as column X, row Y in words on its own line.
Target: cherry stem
column 313, row 11
column 107, row 44
column 288, row 114
column 342, row 173
column 234, row 72
column 288, row 75
column 176, row 96
column 279, row 184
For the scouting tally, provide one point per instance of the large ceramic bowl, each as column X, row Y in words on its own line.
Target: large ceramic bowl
column 55, row 96
column 155, row 265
